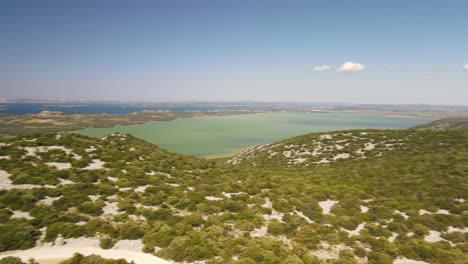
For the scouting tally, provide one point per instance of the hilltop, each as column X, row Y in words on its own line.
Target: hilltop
column 359, row 196
column 445, row 124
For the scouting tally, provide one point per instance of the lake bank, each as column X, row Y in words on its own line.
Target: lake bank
column 217, row 136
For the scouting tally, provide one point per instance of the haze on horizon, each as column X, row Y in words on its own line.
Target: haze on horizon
column 392, row 52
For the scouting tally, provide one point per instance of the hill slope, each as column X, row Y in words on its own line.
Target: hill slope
column 363, row 196
column 445, row 124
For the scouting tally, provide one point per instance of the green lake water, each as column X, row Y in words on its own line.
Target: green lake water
column 217, row 135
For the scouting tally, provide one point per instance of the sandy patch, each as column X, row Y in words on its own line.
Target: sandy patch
column 31, row 151
column 131, row 245
column 20, row 214
column 327, row 205
column 299, row 213
column 275, row 215
column 6, row 183
column 408, row 261
column 96, row 164
column 49, row 200
column 110, row 208
column 341, row 156
column 323, row 161
column 48, row 253
column 369, row 146
column 364, row 209
column 423, row 212
column 112, row 179
column 433, row 237
column 141, row 188
column 149, row 207
column 405, row 216
column 152, row 173
column 299, row 160
column 329, row 252
column 440, row 211
column 229, row 195
column 65, row 182
column 393, row 237
column 356, row 231
column 59, row 165
column 94, row 197
column 259, row 232
column 327, row 136
column 212, row 198
column 452, row 229
column 338, row 147
column 90, row 149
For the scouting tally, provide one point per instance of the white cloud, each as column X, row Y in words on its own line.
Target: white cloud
column 465, row 67
column 350, row 67
column 322, row 68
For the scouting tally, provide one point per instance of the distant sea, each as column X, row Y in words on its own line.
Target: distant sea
column 78, row 108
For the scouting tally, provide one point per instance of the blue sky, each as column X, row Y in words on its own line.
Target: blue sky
column 174, row 50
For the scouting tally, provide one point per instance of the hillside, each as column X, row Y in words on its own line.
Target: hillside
column 361, row 196
column 445, row 124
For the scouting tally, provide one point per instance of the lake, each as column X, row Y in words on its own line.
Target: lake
column 219, row 136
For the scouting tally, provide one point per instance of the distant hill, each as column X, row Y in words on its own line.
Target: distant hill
column 445, row 124
column 358, row 196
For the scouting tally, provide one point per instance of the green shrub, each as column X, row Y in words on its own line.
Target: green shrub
column 379, row 258
column 92, row 259
column 17, row 235
column 11, row 260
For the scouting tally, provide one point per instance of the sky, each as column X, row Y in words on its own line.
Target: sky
column 361, row 51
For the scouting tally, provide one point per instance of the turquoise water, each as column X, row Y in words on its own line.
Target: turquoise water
column 218, row 135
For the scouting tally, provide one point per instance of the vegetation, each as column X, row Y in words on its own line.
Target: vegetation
column 389, row 194
column 76, row 259
column 12, row 125
column 91, row 259
column 445, row 124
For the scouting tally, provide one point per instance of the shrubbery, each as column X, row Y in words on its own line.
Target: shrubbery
column 179, row 219
column 17, row 234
